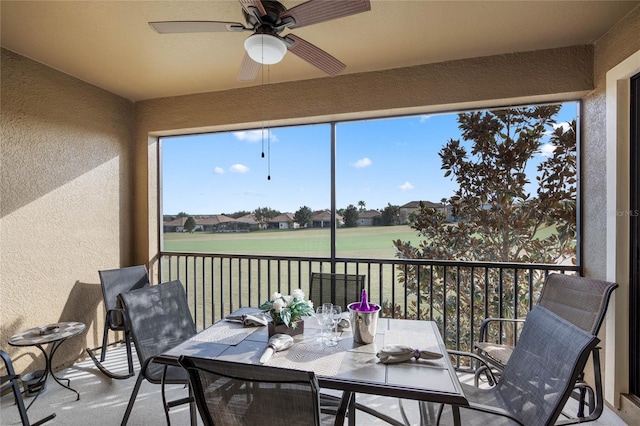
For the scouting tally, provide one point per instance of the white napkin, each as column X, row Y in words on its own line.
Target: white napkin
column 392, row 354
column 255, row 320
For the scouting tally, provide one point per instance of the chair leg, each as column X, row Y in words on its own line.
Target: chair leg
column 132, row 399
column 105, row 338
column 127, row 341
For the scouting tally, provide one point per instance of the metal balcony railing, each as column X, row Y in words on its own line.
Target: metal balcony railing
column 457, row 295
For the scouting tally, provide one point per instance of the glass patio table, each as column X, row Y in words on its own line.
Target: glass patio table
column 347, row 367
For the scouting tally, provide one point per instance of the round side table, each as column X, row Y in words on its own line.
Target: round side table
column 56, row 334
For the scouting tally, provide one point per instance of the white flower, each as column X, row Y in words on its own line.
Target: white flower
column 276, row 296
column 298, row 294
column 310, row 303
column 278, row 305
column 288, row 300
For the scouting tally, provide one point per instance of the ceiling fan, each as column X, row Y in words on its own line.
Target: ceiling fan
column 267, row 19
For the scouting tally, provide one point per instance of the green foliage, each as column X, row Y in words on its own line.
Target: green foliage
column 190, row 224
column 303, row 216
column 350, row 216
column 390, row 215
column 263, row 214
column 498, row 220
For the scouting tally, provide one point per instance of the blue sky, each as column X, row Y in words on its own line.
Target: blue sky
column 377, row 161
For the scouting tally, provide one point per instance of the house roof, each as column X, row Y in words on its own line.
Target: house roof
column 284, row 217
column 324, row 215
column 110, row 45
column 369, row 214
column 215, row 220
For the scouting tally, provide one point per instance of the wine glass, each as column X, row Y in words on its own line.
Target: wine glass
column 334, row 318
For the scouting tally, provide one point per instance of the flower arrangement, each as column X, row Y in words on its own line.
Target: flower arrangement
column 288, row 310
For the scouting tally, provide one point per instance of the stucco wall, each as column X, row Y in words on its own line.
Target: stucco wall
column 66, row 161
column 621, row 42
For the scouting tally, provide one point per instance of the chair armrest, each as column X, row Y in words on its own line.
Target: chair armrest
column 485, row 325
column 111, row 319
column 477, row 358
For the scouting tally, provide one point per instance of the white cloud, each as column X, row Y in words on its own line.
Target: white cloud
column 218, row 171
column 406, row 186
column 424, row 118
column 547, row 149
column 565, row 126
column 255, row 135
column 239, row 168
column 364, row 162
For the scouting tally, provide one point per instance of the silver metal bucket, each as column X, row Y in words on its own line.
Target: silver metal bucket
column 364, row 324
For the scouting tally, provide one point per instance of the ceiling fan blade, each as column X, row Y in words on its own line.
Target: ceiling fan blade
column 314, row 11
column 314, row 55
column 167, row 27
column 248, row 69
column 248, row 4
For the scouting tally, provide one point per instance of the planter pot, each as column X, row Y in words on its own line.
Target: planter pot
column 283, row 329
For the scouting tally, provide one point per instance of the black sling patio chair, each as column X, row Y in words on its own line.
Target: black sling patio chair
column 10, row 381
column 114, row 282
column 339, row 289
column 538, row 379
column 579, row 300
column 159, row 319
column 233, row 394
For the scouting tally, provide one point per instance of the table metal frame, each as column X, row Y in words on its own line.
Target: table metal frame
column 33, row 337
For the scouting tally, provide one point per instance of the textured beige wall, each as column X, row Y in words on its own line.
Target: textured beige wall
column 556, row 74
column 618, row 44
column 610, row 50
column 66, row 161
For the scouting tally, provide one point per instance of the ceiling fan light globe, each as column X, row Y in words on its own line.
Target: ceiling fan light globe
column 265, row 49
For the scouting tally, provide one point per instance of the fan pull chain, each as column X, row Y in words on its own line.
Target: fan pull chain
column 268, row 132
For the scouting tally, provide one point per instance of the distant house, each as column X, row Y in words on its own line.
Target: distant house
column 174, row 225
column 322, row 219
column 216, row 223
column 414, row 207
column 368, row 217
column 283, row 221
column 247, row 222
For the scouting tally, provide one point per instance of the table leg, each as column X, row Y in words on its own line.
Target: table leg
column 43, row 380
column 48, row 370
column 54, row 348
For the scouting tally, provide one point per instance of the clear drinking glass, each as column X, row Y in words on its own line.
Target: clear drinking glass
column 334, row 318
column 323, row 318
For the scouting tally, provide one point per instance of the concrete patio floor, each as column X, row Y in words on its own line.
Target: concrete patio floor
column 103, row 401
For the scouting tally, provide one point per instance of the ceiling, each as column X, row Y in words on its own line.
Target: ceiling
column 110, row 45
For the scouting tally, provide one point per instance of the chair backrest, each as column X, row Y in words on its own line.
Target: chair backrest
column 116, row 281
column 581, row 301
column 544, row 366
column 158, row 317
column 243, row 394
column 339, row 289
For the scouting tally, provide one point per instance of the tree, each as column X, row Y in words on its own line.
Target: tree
column 350, row 216
column 499, row 220
column 391, row 215
column 190, row 224
column 182, row 214
column 361, row 205
column 303, row 216
column 264, row 214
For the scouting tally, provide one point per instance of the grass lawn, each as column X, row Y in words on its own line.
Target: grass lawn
column 364, row 241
